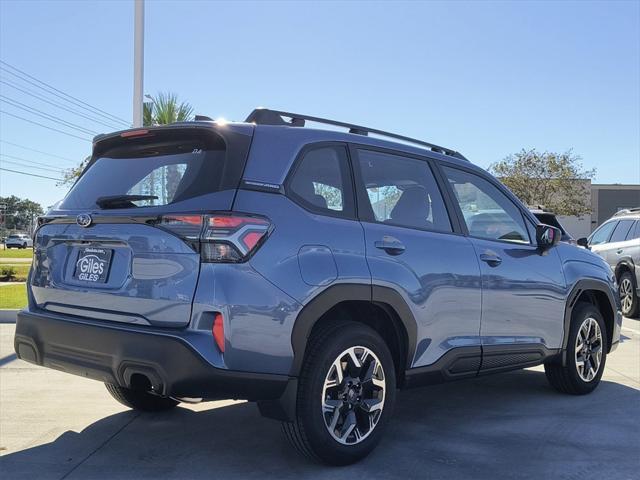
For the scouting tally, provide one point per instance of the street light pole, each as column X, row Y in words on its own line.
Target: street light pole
column 138, row 62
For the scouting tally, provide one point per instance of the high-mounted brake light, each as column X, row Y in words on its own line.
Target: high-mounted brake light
column 221, row 237
column 134, row 133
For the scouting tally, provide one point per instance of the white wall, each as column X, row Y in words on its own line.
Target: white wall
column 576, row 226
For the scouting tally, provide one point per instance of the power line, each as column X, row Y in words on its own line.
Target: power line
column 75, row 100
column 31, row 161
column 40, row 113
column 55, row 104
column 45, row 126
column 39, row 151
column 30, row 166
column 31, row 174
column 77, row 104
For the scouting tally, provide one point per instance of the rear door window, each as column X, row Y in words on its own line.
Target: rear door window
column 402, row 191
column 621, row 231
column 321, row 181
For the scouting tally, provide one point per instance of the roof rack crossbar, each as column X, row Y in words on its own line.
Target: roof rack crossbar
column 265, row 116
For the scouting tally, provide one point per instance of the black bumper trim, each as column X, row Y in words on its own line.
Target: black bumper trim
column 114, row 355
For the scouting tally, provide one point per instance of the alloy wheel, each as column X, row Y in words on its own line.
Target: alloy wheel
column 626, row 295
column 588, row 349
column 353, row 395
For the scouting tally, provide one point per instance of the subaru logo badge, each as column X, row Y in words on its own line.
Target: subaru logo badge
column 84, row 220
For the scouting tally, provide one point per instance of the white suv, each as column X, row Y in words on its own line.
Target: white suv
column 18, row 240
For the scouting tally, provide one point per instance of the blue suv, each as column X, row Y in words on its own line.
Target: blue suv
column 313, row 271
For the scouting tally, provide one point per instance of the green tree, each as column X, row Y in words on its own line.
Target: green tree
column 70, row 175
column 557, row 181
column 19, row 213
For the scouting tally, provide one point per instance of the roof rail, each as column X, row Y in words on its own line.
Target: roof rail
column 627, row 211
column 265, row 116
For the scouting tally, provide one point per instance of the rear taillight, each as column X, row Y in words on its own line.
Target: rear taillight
column 220, row 237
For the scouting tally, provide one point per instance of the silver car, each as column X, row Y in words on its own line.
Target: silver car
column 18, row 240
column 618, row 241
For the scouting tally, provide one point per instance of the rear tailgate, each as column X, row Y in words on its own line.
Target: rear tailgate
column 124, row 272
column 114, row 259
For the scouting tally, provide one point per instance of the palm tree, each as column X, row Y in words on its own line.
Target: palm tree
column 165, row 108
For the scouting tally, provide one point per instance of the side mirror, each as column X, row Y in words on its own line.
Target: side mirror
column 547, row 236
column 583, row 242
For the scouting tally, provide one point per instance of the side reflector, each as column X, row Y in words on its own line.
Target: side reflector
column 218, row 331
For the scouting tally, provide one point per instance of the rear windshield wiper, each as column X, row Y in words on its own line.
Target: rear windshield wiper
column 122, row 201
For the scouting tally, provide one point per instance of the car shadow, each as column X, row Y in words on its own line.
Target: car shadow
column 504, row 426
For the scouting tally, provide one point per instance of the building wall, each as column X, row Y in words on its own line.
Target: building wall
column 607, row 199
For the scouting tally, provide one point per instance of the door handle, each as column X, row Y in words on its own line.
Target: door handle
column 391, row 245
column 619, row 252
column 491, row 259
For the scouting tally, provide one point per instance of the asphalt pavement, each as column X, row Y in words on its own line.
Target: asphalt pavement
column 512, row 425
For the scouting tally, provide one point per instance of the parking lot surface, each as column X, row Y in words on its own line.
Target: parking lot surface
column 513, row 425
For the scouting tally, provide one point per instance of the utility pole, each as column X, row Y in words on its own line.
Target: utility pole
column 138, row 62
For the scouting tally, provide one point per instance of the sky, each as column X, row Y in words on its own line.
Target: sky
column 484, row 78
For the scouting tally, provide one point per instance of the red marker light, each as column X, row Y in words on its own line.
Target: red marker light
column 218, row 331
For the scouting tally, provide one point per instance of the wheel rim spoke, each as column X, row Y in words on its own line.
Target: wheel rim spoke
column 371, row 405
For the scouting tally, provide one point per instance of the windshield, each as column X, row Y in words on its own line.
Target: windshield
column 152, row 173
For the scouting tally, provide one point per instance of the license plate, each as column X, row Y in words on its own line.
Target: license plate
column 93, row 265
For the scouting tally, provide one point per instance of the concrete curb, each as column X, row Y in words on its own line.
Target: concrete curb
column 8, row 316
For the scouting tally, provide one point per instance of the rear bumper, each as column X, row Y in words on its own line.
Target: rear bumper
column 114, row 353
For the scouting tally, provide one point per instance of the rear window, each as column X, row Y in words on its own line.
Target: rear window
column 162, row 166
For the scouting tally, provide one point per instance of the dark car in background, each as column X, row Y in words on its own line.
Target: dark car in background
column 549, row 218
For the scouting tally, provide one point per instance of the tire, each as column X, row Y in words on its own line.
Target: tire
column 24, row 245
column 628, row 298
column 568, row 378
column 310, row 433
column 139, row 400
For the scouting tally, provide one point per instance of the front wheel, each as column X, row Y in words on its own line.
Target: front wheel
column 628, row 298
column 585, row 356
column 139, row 400
column 346, row 394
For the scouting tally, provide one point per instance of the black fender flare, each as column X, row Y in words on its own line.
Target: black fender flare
column 626, row 262
column 572, row 299
column 335, row 294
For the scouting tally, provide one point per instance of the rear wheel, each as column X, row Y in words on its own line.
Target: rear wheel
column 24, row 245
column 346, row 393
column 585, row 356
column 139, row 400
column 628, row 298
